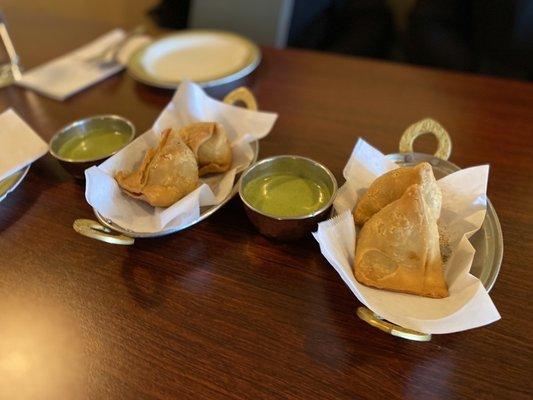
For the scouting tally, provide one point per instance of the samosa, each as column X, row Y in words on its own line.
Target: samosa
column 209, row 143
column 398, row 248
column 167, row 173
column 392, row 185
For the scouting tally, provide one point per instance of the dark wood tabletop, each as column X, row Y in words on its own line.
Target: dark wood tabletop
column 218, row 311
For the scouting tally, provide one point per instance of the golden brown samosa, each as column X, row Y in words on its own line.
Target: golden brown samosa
column 209, row 143
column 391, row 186
column 398, row 248
column 167, row 173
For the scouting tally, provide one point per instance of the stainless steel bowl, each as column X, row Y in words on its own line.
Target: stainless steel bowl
column 82, row 128
column 288, row 228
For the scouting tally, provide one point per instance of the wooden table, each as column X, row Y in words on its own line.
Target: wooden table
column 218, row 311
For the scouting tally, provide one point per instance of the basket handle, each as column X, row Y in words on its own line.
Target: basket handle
column 242, row 94
column 395, row 330
column 95, row 230
column 422, row 127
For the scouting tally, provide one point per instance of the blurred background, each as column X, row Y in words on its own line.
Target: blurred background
column 493, row 37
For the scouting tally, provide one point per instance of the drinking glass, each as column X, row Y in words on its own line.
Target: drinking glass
column 9, row 61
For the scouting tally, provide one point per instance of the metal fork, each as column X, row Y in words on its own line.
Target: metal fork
column 109, row 55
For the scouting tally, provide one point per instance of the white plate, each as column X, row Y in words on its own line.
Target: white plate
column 208, row 58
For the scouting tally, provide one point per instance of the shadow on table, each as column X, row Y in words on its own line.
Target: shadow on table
column 152, row 269
column 352, row 341
column 146, row 282
column 42, row 175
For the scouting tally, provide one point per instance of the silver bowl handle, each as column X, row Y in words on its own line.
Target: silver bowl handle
column 244, row 95
column 94, row 230
column 422, row 127
column 395, row 330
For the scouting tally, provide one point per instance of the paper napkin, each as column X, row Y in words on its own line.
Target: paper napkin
column 463, row 211
column 19, row 144
column 71, row 73
column 189, row 104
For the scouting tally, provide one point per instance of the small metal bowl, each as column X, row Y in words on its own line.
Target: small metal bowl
column 82, row 128
column 288, row 228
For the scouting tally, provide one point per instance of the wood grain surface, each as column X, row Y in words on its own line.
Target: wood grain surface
column 218, row 311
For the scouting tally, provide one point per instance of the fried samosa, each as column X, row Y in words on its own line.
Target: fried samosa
column 167, row 173
column 209, row 143
column 391, row 186
column 398, row 248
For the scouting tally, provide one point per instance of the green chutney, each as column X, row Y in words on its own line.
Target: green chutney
column 94, row 145
column 286, row 195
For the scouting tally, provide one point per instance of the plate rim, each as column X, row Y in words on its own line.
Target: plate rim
column 246, row 70
column 495, row 271
column 17, row 182
column 206, row 214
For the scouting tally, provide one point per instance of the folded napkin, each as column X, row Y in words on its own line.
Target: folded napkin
column 19, row 144
column 71, row 73
column 464, row 205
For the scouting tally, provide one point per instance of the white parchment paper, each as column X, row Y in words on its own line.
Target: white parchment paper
column 189, row 104
column 463, row 211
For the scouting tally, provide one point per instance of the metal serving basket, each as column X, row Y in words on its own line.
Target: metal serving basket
column 487, row 241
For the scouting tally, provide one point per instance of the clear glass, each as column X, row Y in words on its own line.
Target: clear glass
column 9, row 67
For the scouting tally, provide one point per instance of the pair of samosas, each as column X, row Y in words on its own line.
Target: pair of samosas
column 398, row 245
column 172, row 169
